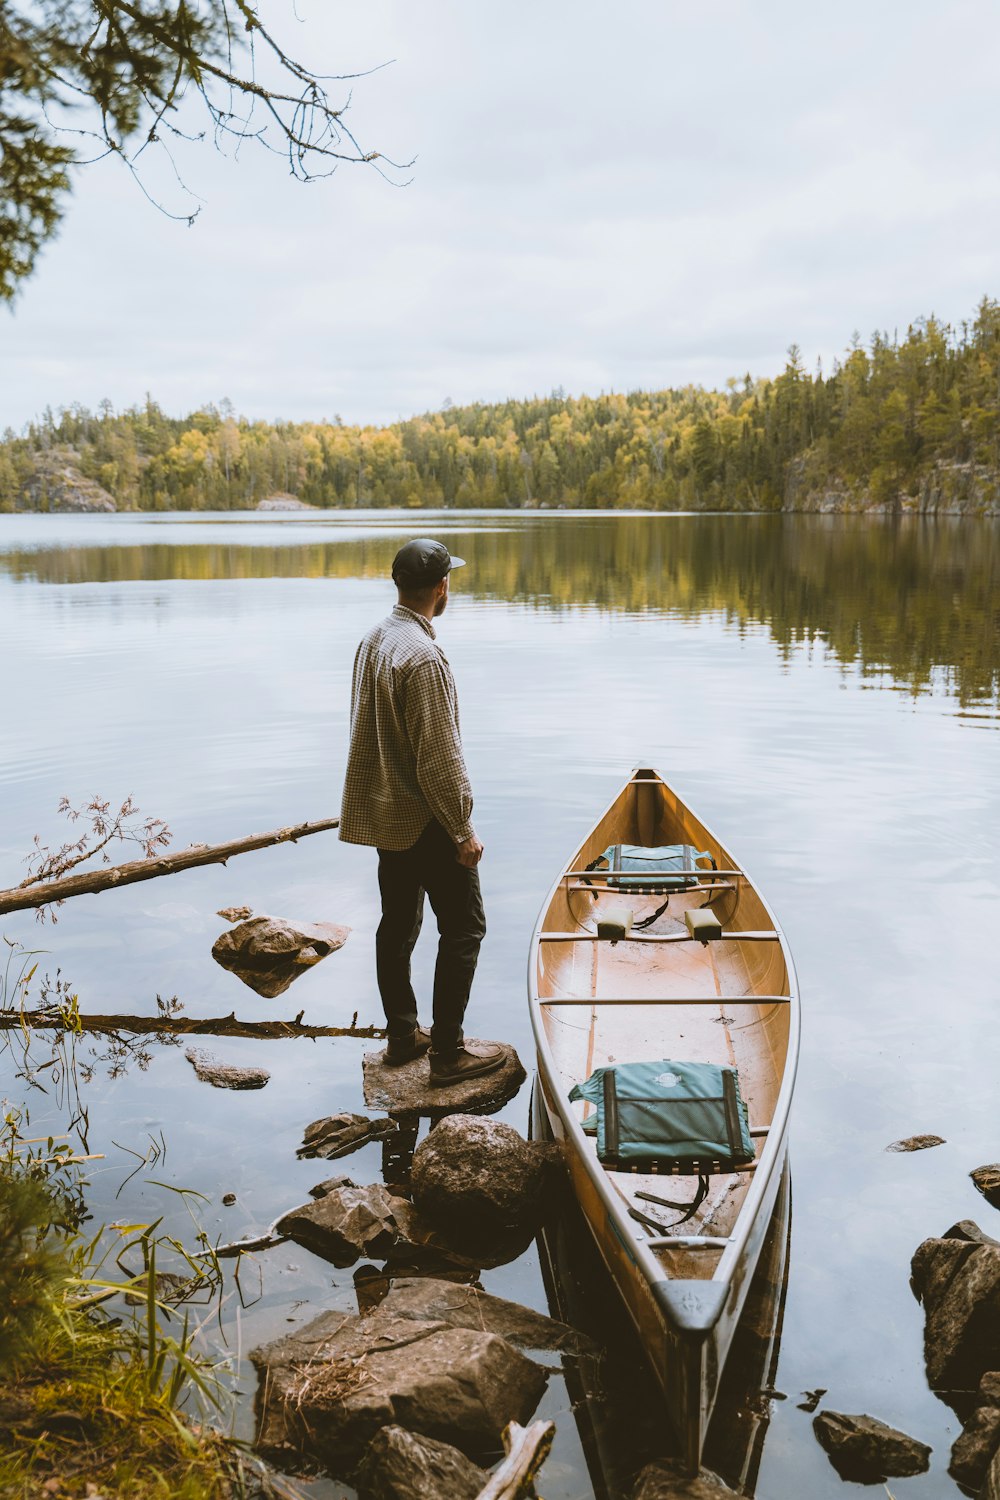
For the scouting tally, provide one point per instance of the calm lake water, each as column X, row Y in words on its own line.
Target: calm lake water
column 823, row 691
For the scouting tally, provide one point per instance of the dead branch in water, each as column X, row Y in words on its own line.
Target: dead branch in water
column 54, row 1020
column 527, row 1449
column 24, row 898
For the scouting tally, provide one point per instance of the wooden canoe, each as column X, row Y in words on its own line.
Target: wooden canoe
column 662, row 994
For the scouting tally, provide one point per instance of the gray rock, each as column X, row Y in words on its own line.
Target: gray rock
column 968, row 1229
column 269, row 953
column 973, row 1449
column 479, row 1173
column 989, row 1389
column 330, row 1185
column 665, row 1480
column 399, row 1465
column 327, row 1389
column 336, row 1135
column 424, row 1300
column 406, row 1090
column 345, row 1224
column 864, row 1449
column 917, row 1143
column 223, row 1075
column 987, row 1180
column 959, row 1284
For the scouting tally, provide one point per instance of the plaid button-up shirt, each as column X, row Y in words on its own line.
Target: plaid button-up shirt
column 405, row 764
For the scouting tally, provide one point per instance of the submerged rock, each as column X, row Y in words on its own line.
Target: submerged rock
column 336, row 1135
column 326, row 1390
column 864, row 1449
column 221, row 1075
column 480, row 1173
column 268, row 953
column 406, row 1089
column 345, row 1223
column 666, row 1480
column 917, row 1143
column 958, row 1282
column 399, row 1465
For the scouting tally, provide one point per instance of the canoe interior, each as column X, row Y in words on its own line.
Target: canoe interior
column 733, row 1027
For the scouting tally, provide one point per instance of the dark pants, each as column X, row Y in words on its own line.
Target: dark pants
column 430, row 867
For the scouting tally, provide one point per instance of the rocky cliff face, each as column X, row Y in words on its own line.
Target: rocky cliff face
column 58, row 485
column 947, row 489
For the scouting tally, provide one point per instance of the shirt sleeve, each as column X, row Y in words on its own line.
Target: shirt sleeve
column 432, row 725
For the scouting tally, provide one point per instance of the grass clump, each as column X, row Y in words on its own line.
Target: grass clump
column 97, row 1396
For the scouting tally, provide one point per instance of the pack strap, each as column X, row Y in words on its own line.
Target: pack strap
column 690, row 1209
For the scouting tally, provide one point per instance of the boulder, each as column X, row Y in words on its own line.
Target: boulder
column 968, row 1229
column 400, row 1465
column 917, row 1143
column 326, row 1390
column 958, row 1282
column 406, row 1089
column 479, row 1173
column 934, row 1266
column 337, row 1135
column 282, row 501
column 424, row 1300
column 665, row 1480
column 864, row 1449
column 991, row 1484
column 975, row 1446
column 268, row 953
column 987, row 1180
column 422, row 1244
column 222, row 1075
column 235, row 913
column 345, row 1224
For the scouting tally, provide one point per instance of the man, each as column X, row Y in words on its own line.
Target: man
column 407, row 792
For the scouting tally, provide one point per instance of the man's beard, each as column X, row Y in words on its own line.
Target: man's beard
column 441, row 605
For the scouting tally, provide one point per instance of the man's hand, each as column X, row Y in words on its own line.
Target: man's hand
column 469, row 853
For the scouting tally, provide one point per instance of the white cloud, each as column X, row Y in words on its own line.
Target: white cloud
column 639, row 198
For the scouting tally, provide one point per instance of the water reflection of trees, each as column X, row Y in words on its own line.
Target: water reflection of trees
column 910, row 596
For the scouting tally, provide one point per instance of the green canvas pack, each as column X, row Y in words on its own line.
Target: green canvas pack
column 667, row 1116
column 657, row 872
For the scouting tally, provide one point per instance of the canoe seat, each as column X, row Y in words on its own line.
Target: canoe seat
column 703, row 924
column 614, row 923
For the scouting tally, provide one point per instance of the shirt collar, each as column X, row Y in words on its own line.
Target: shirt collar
column 402, row 613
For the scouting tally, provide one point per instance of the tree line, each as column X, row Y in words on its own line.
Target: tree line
column 885, row 422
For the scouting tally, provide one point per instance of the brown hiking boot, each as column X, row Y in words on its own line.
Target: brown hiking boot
column 470, row 1061
column 399, row 1050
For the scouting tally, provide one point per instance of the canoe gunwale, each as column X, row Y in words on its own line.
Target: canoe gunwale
column 773, row 1153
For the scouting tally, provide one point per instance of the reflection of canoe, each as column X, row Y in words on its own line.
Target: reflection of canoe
column 618, row 1415
column 662, row 994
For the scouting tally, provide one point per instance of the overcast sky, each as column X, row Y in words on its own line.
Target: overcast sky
column 601, row 198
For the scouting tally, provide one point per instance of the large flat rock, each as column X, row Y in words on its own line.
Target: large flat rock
column 406, row 1090
column 326, row 1390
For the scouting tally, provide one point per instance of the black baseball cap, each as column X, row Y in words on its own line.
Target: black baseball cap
column 422, row 562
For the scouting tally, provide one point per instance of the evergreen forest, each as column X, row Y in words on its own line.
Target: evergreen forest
column 899, row 423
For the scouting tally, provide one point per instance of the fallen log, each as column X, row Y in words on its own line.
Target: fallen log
column 24, row 898
column 55, row 1020
column 527, row 1449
